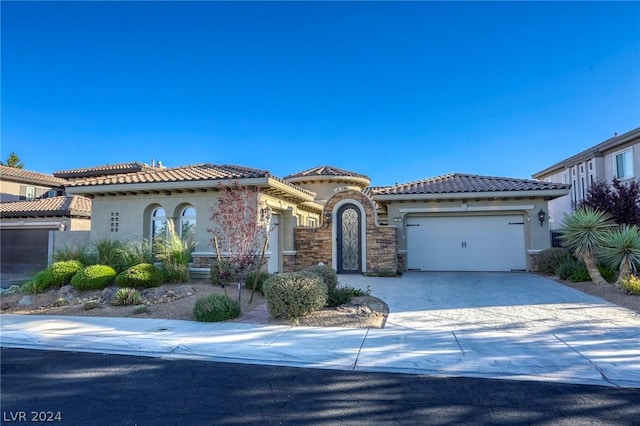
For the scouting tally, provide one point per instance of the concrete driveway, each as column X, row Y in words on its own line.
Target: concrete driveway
column 515, row 325
column 489, row 325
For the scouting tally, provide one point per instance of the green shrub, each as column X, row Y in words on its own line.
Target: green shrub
column 109, row 252
column 251, row 277
column 36, row 285
column 127, row 296
column 294, row 294
column 143, row 275
column 632, row 285
column 608, row 274
column 223, row 272
column 174, row 272
column 341, row 295
column 566, row 268
column 136, row 252
column 175, row 255
column 93, row 277
column 328, row 275
column 551, row 258
column 580, row 273
column 90, row 304
column 61, row 273
column 216, row 308
column 79, row 253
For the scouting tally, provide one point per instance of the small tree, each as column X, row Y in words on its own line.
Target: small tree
column 13, row 161
column 619, row 199
column 239, row 227
column 584, row 234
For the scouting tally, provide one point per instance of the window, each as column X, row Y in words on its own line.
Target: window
column 188, row 224
column 624, row 164
column 312, row 221
column 565, row 177
column 115, row 219
column 158, row 223
column 30, row 193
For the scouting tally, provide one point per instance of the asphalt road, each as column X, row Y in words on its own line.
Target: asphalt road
column 92, row 389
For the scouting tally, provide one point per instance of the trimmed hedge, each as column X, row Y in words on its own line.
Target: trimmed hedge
column 292, row 295
column 251, row 277
column 216, row 308
column 143, row 275
column 328, row 275
column 93, row 277
column 551, row 258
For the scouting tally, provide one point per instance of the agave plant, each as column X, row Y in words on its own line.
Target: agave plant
column 621, row 250
column 584, row 234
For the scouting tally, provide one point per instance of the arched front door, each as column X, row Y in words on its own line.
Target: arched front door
column 349, row 240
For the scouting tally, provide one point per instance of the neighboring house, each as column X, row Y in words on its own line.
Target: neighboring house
column 617, row 157
column 330, row 215
column 23, row 185
column 32, row 205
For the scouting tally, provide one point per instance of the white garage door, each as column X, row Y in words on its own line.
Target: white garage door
column 471, row 243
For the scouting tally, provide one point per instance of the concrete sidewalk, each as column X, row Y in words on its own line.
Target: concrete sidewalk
column 523, row 327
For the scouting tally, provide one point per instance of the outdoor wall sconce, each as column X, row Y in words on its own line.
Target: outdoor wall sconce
column 541, row 216
column 328, row 218
column 265, row 214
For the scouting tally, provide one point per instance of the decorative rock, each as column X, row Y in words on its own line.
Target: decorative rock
column 108, row 293
column 25, row 301
column 65, row 289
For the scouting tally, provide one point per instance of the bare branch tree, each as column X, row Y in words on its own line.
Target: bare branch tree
column 240, row 224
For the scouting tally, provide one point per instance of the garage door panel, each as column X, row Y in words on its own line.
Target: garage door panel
column 472, row 243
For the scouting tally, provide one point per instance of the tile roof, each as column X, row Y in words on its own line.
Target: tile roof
column 326, row 171
column 59, row 206
column 176, row 174
column 465, row 183
column 107, row 169
column 26, row 176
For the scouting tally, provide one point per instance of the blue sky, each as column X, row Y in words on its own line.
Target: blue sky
column 396, row 91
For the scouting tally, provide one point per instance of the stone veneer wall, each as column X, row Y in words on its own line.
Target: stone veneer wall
column 314, row 245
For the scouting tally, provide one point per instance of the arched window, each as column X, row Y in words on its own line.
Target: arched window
column 188, row 224
column 158, row 223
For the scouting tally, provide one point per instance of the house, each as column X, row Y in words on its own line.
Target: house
column 331, row 215
column 33, row 204
column 617, row 157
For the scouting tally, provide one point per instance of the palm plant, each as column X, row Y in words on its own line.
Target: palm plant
column 621, row 250
column 584, row 234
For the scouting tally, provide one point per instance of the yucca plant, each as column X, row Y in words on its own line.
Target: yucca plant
column 175, row 255
column 584, row 234
column 621, row 250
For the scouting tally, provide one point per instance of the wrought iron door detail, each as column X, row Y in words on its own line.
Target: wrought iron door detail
column 349, row 239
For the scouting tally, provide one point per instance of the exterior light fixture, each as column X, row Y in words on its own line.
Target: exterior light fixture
column 541, row 216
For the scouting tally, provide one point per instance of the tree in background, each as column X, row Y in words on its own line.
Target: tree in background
column 240, row 228
column 13, row 161
column 621, row 200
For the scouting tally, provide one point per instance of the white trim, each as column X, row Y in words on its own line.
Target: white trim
column 473, row 195
column 363, row 233
column 289, row 252
column 465, row 208
column 630, row 166
column 22, row 224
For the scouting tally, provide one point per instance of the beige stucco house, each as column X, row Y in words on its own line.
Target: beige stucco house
column 617, row 157
column 331, row 215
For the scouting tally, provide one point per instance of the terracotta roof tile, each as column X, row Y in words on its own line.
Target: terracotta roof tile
column 64, row 205
column 107, row 169
column 177, row 174
column 26, row 176
column 326, row 171
column 465, row 183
